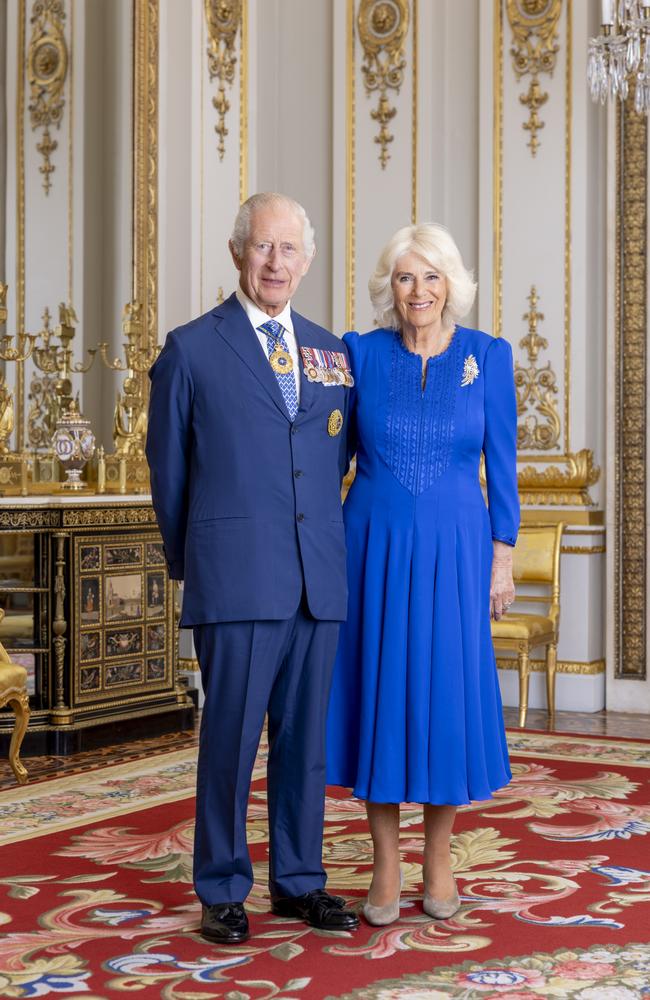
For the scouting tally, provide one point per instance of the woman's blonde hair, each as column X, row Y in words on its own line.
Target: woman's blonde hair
column 436, row 245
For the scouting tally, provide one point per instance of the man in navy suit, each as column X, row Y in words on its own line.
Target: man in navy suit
column 246, row 447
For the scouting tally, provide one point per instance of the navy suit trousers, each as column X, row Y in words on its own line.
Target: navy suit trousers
column 249, row 669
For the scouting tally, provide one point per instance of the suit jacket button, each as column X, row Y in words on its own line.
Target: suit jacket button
column 300, row 517
column 298, row 473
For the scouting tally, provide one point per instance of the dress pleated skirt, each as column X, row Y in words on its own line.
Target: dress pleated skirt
column 415, row 710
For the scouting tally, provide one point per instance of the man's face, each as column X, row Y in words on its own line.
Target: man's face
column 274, row 260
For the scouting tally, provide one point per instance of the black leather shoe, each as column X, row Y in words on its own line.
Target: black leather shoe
column 318, row 909
column 225, row 923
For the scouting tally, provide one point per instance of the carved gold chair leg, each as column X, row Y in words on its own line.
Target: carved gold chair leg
column 20, row 705
column 524, row 677
column 551, row 663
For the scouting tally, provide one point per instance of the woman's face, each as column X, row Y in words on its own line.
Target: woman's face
column 419, row 292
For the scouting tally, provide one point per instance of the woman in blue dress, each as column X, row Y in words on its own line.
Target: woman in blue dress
column 415, row 711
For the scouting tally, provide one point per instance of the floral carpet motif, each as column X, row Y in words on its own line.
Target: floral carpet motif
column 96, row 892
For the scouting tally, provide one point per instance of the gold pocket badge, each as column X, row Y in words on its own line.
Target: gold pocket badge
column 334, row 423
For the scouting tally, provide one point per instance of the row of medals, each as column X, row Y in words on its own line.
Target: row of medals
column 282, row 363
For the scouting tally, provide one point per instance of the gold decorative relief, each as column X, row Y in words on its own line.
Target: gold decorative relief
column 383, row 25
column 534, row 51
column 554, row 485
column 536, row 389
column 47, row 66
column 145, row 169
column 124, row 514
column 588, row 669
column 43, row 403
column 630, row 380
column 223, row 19
column 59, row 628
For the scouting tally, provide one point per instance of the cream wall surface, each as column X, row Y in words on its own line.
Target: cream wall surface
column 512, row 160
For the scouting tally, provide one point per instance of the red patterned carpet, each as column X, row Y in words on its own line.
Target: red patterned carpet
column 554, row 875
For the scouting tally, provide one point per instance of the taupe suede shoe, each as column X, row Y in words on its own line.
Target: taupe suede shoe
column 441, row 909
column 379, row 916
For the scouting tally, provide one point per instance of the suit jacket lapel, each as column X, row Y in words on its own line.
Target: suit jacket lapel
column 307, row 388
column 235, row 328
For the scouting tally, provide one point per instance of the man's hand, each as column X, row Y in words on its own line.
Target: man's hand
column 502, row 588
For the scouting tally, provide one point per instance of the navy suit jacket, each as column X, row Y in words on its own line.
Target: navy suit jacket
column 248, row 504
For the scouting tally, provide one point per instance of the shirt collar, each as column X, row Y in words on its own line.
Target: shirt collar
column 257, row 317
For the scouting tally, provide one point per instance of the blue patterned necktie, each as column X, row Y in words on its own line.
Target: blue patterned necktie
column 286, row 380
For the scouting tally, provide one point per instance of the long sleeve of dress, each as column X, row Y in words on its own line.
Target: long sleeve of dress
column 168, row 449
column 500, row 441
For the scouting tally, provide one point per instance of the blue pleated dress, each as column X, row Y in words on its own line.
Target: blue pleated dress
column 415, row 711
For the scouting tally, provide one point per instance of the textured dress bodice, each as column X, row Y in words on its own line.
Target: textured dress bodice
column 420, row 420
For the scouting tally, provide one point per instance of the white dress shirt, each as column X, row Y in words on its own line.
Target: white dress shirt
column 257, row 318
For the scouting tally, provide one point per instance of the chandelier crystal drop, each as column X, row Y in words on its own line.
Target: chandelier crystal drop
column 620, row 54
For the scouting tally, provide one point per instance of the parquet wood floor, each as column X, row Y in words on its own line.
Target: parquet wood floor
column 618, row 724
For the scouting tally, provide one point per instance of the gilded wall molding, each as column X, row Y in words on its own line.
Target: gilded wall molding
column 533, row 52
column 383, row 26
column 556, row 486
column 536, row 387
column 19, row 390
column 583, row 550
column 536, row 7
column 243, row 103
column 631, row 374
column 414, row 116
column 145, row 168
column 223, row 19
column 497, row 171
column 351, row 180
column 47, row 66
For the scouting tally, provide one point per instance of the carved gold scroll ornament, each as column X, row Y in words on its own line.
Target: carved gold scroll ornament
column 534, row 51
column 47, row 67
column 223, row 18
column 383, row 25
column 536, row 389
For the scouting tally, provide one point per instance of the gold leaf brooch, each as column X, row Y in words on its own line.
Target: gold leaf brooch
column 470, row 371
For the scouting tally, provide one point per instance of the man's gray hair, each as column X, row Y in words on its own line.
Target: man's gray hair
column 242, row 227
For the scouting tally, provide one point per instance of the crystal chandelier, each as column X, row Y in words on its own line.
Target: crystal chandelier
column 621, row 52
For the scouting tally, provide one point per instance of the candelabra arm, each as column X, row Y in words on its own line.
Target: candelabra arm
column 80, row 368
column 114, row 365
column 20, row 353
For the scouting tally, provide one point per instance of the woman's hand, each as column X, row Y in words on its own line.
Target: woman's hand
column 502, row 588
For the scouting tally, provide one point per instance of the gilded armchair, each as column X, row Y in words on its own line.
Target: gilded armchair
column 13, row 692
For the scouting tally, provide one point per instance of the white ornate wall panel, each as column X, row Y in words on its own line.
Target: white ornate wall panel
column 283, row 84
column 541, row 178
column 541, row 239
column 432, row 170
column 219, row 143
column 68, row 198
